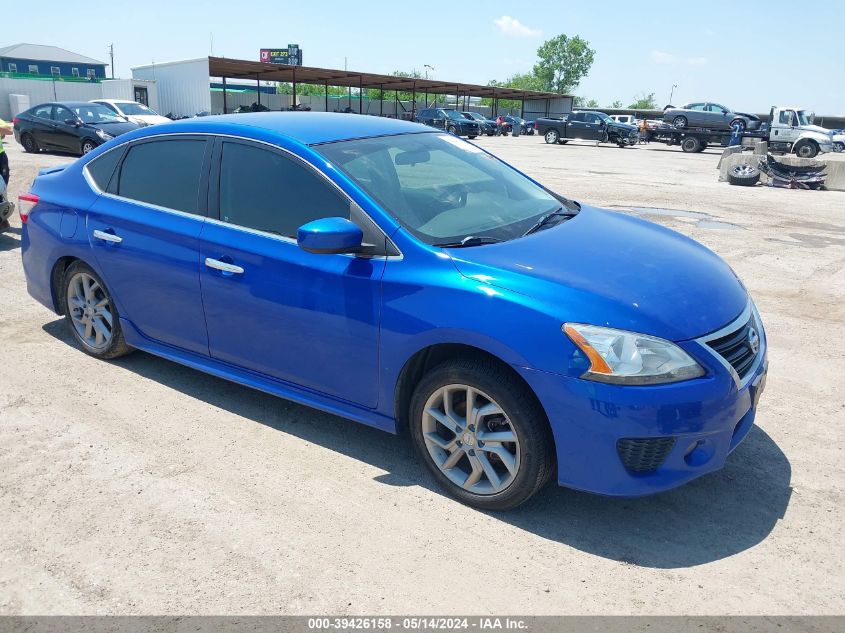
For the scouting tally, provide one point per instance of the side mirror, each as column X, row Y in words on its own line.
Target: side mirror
column 74, row 122
column 330, row 235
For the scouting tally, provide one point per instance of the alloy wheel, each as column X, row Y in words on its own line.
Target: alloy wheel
column 87, row 147
column 90, row 311
column 470, row 439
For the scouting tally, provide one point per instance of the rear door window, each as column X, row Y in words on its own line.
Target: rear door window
column 101, row 168
column 165, row 173
column 43, row 112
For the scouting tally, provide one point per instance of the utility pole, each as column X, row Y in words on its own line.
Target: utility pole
column 111, row 55
column 672, row 93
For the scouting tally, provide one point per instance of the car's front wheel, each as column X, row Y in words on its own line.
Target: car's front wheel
column 88, row 146
column 481, row 433
column 91, row 314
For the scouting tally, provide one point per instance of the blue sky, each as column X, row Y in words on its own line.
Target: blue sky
column 721, row 50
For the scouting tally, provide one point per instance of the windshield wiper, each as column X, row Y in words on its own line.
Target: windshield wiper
column 547, row 218
column 471, row 240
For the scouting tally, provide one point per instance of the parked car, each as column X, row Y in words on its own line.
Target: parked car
column 133, row 111
column 71, row 126
column 6, row 206
column 409, row 281
column 511, row 121
column 488, row 126
column 838, row 137
column 450, row 120
column 587, row 126
column 709, row 115
column 630, row 119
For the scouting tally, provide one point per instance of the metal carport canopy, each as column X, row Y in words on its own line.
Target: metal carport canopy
column 245, row 69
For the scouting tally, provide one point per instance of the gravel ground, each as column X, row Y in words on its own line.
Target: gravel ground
column 143, row 487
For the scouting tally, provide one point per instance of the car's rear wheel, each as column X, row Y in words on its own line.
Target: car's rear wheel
column 91, row 314
column 552, row 137
column 472, row 136
column 29, row 144
column 680, row 121
column 452, row 129
column 481, row 433
column 88, row 146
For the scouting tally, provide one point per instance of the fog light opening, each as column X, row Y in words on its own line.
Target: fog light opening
column 699, row 453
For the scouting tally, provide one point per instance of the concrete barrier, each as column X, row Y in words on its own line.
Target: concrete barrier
column 835, row 169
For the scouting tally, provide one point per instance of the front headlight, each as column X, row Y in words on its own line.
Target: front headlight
column 104, row 135
column 628, row 358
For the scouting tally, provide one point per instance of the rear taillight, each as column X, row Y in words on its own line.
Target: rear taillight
column 536, row 125
column 25, row 204
column 16, row 120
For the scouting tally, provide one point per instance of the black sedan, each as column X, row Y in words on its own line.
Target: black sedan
column 71, row 126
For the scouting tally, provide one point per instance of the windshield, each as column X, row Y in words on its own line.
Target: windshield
column 604, row 117
column 135, row 108
column 804, row 117
column 454, row 114
column 96, row 113
column 443, row 189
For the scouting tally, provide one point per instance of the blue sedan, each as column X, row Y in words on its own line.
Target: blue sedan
column 406, row 279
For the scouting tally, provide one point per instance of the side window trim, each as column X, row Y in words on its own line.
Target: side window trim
column 389, row 249
column 202, row 192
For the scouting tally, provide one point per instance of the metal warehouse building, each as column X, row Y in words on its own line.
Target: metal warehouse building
column 186, row 88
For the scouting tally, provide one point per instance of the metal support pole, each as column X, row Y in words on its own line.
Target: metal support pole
column 294, row 88
column 224, row 96
column 548, row 106
column 258, row 88
column 381, row 100
column 522, row 108
column 360, row 96
column 396, row 107
column 327, row 96
column 414, row 101
column 426, row 97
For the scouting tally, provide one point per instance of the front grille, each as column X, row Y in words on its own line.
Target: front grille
column 739, row 347
column 644, row 455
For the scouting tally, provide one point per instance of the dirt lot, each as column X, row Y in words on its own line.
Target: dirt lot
column 141, row 486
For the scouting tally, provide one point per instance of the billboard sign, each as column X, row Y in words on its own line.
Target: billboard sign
column 290, row 56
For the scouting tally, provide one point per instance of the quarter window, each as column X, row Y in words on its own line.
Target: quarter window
column 165, row 173
column 102, row 168
column 43, row 112
column 263, row 190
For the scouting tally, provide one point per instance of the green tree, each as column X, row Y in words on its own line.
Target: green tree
column 616, row 105
column 644, row 101
column 562, row 63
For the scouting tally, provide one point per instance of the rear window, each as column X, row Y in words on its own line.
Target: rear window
column 164, row 173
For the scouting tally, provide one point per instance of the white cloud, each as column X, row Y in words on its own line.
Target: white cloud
column 662, row 57
column 512, row 26
column 659, row 57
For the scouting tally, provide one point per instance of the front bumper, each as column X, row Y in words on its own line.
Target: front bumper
column 696, row 424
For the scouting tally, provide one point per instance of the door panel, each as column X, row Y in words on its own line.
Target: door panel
column 42, row 125
column 147, row 240
column 64, row 136
column 308, row 319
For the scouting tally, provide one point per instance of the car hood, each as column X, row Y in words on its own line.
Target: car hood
column 624, row 126
column 606, row 268
column 147, row 119
column 115, row 129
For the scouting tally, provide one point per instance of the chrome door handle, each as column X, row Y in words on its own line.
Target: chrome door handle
column 108, row 237
column 216, row 264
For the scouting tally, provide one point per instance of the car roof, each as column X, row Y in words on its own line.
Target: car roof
column 112, row 101
column 308, row 128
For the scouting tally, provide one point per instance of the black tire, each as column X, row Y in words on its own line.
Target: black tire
column 741, row 122
column 472, row 136
column 806, row 149
column 691, row 144
column 839, row 146
column 703, row 147
column 552, row 136
column 29, row 144
column 680, row 121
column 116, row 345
column 88, row 145
column 563, row 141
column 743, row 175
column 527, row 420
column 491, row 133
column 452, row 130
